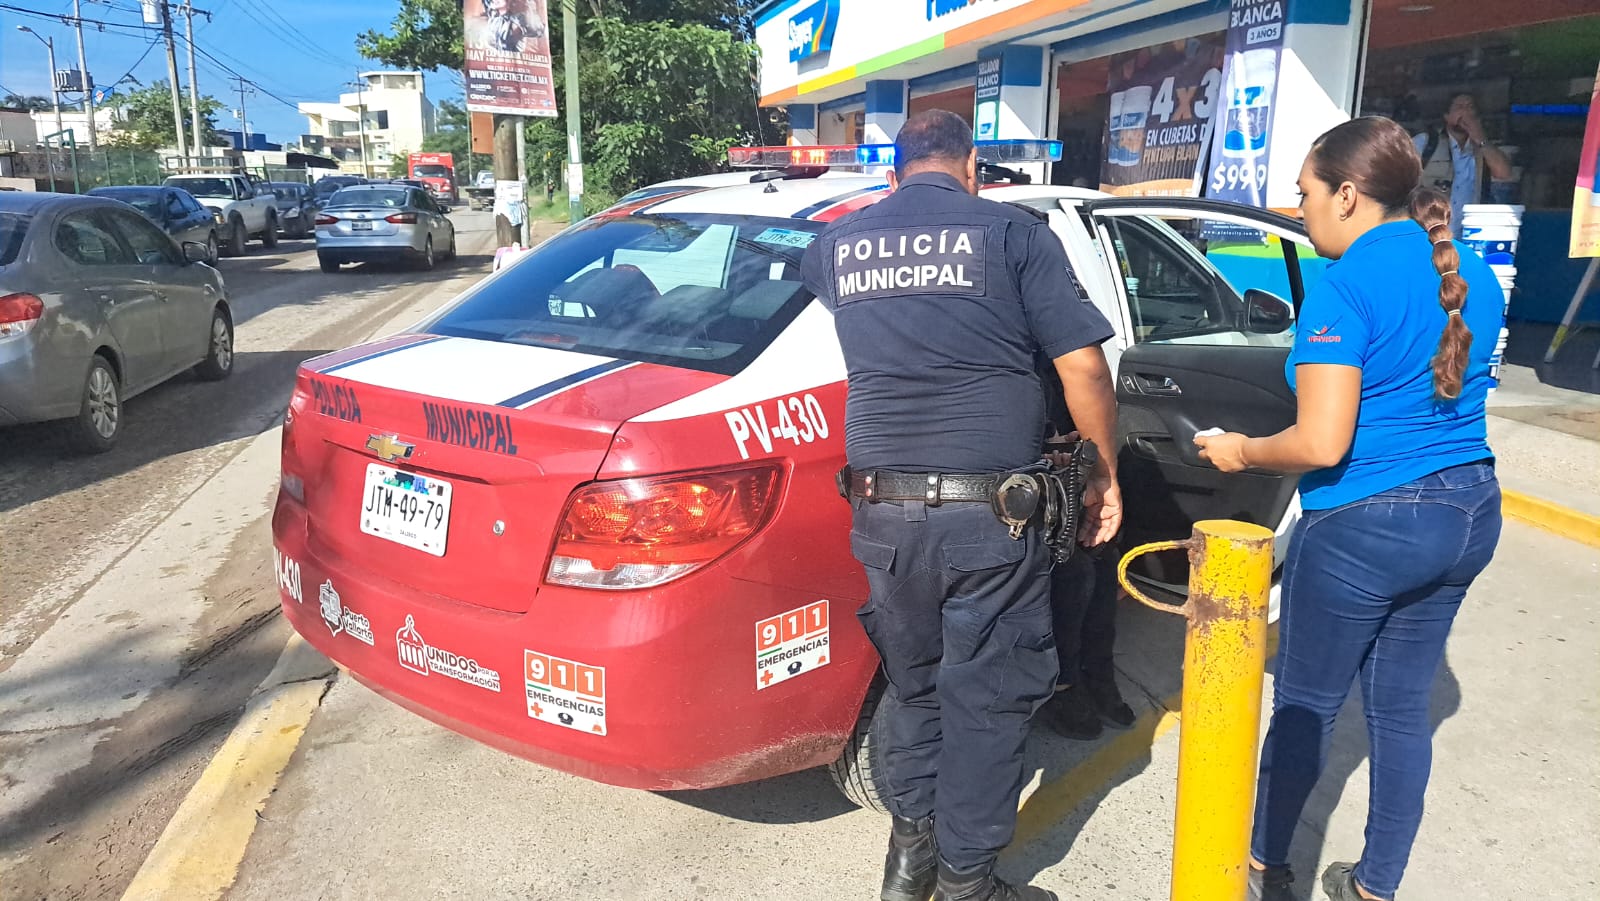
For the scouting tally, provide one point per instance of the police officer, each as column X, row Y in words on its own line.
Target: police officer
column 940, row 300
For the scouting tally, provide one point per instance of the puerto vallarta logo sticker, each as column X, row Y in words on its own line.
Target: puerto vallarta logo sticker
column 341, row 618
column 416, row 655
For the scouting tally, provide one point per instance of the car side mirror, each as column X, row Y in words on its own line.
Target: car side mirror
column 1266, row 313
column 195, row 252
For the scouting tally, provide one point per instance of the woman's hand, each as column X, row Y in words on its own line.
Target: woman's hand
column 1225, row 451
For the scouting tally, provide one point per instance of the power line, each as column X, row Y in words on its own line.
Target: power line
column 289, row 37
column 295, row 32
column 66, row 19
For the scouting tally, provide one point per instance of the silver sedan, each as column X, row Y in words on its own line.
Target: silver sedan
column 383, row 222
column 97, row 305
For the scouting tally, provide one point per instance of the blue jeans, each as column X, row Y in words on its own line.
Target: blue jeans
column 1370, row 590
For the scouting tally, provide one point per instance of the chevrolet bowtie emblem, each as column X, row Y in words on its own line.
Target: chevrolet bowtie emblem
column 390, row 448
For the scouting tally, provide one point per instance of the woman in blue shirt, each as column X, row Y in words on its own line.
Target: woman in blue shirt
column 1402, row 509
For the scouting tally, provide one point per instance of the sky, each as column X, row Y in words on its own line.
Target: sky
column 293, row 50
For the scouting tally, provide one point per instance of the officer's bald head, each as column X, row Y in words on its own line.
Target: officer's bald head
column 935, row 141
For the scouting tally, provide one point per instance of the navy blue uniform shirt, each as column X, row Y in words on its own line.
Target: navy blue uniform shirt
column 941, row 300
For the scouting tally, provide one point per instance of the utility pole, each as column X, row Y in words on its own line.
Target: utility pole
column 244, row 121
column 172, row 76
column 83, row 74
column 194, row 83
column 569, row 22
column 361, row 122
column 55, row 99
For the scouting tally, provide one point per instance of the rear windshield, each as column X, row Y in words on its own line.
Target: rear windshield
column 145, row 202
column 204, row 187
column 12, row 230
column 287, row 189
column 696, row 291
column 365, row 195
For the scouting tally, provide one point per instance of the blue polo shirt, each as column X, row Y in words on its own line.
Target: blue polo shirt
column 1378, row 310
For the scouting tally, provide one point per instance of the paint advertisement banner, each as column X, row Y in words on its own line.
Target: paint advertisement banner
column 1241, row 141
column 1162, row 103
column 507, row 46
column 1586, row 196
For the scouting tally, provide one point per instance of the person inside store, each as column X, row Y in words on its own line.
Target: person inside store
column 1455, row 154
column 1390, row 369
column 944, row 420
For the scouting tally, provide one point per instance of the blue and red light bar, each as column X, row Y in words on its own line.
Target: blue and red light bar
column 863, row 156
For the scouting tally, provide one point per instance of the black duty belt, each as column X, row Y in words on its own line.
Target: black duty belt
column 932, row 488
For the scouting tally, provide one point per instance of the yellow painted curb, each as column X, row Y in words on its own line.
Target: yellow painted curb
column 1553, row 518
column 1053, row 801
column 199, row 853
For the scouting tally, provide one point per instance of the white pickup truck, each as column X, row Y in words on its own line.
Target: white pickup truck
column 245, row 210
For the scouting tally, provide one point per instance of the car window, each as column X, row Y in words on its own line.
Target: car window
column 1185, row 279
column 190, row 204
column 205, row 187
column 13, row 228
column 148, row 243
column 82, row 239
column 175, row 207
column 696, row 291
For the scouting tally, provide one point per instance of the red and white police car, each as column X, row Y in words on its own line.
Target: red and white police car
column 586, row 513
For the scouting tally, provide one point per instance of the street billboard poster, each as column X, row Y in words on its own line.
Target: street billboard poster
column 507, row 46
column 1241, row 142
column 1162, row 104
column 1586, row 196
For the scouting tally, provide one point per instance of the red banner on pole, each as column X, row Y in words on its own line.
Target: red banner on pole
column 1586, row 196
column 508, row 58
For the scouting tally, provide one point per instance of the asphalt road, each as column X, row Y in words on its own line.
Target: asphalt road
column 132, row 627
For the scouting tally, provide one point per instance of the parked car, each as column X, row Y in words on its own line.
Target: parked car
column 97, row 304
column 383, row 222
column 325, row 187
column 296, row 208
column 246, row 210
column 609, row 469
column 175, row 211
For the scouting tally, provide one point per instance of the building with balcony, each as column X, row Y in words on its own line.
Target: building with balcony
column 388, row 111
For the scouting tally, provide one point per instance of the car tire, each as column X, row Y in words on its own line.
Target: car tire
column 218, row 363
column 427, row 261
column 859, row 769
column 269, row 235
column 327, row 264
column 452, row 253
column 99, row 421
column 213, row 248
column 236, row 238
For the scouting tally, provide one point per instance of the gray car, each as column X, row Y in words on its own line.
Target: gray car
column 296, row 208
column 97, row 305
column 383, row 222
column 174, row 211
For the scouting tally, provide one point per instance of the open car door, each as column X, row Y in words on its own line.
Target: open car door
column 1211, row 291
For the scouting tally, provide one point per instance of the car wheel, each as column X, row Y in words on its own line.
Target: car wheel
column 213, row 249
column 99, row 421
column 236, row 238
column 859, row 769
column 269, row 235
column 452, row 245
column 427, row 260
column 218, row 363
column 327, row 264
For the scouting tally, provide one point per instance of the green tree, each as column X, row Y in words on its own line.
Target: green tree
column 31, row 103
column 454, row 135
column 148, row 118
column 668, row 85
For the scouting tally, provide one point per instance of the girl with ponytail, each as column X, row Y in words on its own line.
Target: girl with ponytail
column 1401, row 505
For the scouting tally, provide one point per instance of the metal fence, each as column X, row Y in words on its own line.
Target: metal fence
column 65, row 170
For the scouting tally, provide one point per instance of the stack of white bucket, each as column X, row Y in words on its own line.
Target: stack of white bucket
column 1491, row 229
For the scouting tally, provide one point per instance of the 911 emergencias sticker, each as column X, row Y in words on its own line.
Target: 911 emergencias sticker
column 565, row 692
column 793, row 643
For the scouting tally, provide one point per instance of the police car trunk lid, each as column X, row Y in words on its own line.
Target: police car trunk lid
column 506, row 432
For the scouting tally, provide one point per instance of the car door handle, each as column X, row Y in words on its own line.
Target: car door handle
column 1155, row 385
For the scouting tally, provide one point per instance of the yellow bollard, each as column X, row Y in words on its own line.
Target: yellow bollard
column 1230, row 577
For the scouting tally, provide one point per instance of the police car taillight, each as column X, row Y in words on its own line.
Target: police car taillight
column 640, row 533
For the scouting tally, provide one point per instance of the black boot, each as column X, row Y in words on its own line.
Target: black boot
column 1072, row 714
column 1108, row 702
column 981, row 884
column 912, row 866
column 1270, row 884
column 1339, row 882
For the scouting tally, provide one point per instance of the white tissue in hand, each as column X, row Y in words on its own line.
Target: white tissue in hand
column 1210, row 433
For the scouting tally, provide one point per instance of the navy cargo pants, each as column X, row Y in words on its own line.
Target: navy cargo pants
column 960, row 615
